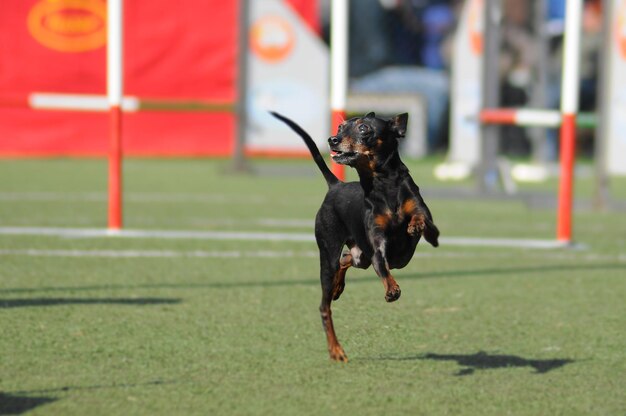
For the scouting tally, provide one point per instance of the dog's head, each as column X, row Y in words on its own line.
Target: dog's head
column 361, row 141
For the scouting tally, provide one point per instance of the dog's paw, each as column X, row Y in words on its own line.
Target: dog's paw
column 337, row 354
column 417, row 225
column 393, row 294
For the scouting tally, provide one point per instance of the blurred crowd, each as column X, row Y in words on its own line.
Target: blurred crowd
column 406, row 45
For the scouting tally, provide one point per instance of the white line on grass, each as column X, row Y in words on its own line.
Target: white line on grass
column 262, row 236
column 276, row 254
column 158, row 253
column 235, row 254
column 278, row 222
column 139, row 197
column 163, row 234
column 506, row 242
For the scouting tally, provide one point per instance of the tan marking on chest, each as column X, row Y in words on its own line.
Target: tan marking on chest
column 382, row 220
column 409, row 207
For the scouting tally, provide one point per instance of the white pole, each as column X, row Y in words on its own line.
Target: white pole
column 338, row 69
column 339, row 54
column 115, row 93
column 571, row 57
column 114, row 52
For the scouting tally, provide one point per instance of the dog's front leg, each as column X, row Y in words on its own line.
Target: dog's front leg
column 420, row 222
column 381, row 266
column 417, row 217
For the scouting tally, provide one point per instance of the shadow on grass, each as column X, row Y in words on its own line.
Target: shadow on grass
column 531, row 270
column 23, row 303
column 20, row 402
column 96, row 387
column 485, row 361
column 222, row 284
column 16, row 405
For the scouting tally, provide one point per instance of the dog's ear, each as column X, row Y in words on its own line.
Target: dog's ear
column 370, row 115
column 398, row 124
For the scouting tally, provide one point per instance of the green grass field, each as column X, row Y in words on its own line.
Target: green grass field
column 106, row 326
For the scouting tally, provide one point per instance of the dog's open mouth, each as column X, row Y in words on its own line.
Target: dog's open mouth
column 343, row 158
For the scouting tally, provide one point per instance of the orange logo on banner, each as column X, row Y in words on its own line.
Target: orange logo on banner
column 620, row 29
column 476, row 26
column 272, row 38
column 69, row 25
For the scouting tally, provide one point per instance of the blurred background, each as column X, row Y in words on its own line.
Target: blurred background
column 200, row 78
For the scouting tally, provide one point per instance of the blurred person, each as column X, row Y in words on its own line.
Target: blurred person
column 369, row 36
column 555, row 15
column 517, row 61
column 591, row 45
column 416, row 33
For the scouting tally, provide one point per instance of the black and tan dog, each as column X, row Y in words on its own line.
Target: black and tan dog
column 380, row 218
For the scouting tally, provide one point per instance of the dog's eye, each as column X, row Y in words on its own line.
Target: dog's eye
column 364, row 128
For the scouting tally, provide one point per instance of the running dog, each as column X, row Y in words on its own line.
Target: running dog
column 380, row 219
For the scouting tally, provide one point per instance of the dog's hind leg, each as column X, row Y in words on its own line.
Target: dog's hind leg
column 330, row 271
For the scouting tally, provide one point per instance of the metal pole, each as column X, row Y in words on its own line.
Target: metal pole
column 115, row 91
column 538, row 99
column 601, row 193
column 241, row 112
column 488, row 176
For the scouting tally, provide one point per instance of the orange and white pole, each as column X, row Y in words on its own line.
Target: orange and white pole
column 115, row 93
column 569, row 108
column 338, row 70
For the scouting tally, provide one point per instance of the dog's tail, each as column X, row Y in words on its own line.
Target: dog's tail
column 331, row 179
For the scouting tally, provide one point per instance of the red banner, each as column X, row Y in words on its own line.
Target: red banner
column 172, row 50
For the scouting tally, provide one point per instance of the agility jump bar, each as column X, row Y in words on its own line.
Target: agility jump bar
column 100, row 103
column 528, row 117
column 115, row 104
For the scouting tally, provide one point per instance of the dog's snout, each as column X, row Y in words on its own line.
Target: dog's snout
column 333, row 140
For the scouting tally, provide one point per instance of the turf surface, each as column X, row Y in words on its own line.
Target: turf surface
column 105, row 326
